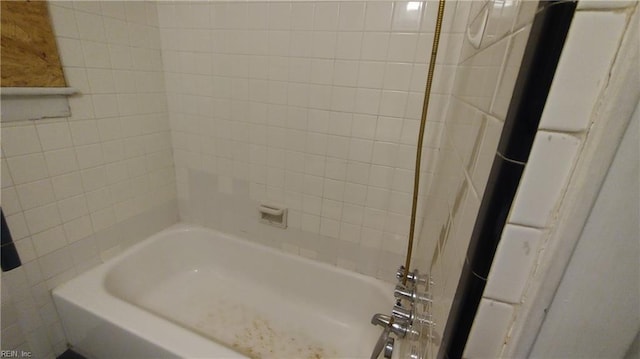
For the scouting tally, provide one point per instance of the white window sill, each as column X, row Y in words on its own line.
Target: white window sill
column 34, row 103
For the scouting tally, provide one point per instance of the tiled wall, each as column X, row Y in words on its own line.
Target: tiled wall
column 77, row 190
column 312, row 105
column 585, row 64
column 481, row 94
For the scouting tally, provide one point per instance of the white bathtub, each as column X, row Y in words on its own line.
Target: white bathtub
column 191, row 292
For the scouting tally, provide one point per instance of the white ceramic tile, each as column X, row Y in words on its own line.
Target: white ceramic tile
column 326, row 16
column 54, row 135
column 499, row 21
column 338, row 146
column 73, row 207
column 406, row 157
column 582, row 70
column 459, row 21
column 56, row 262
column 64, row 22
column 20, row 140
column 352, row 214
column 116, row 31
column 393, row 103
column 301, row 16
column 402, row 180
column 351, row 16
column 88, row 55
column 373, row 218
column 363, row 126
column 103, row 219
column 25, row 250
column 49, row 241
column 345, row 73
column 599, row 4
column 6, row 176
column 407, row 15
column 89, row 156
column 478, row 76
column 378, row 16
column 90, row 27
column 486, row 153
column 489, row 329
column 61, row 161
column 90, row 7
column 397, row 76
column 510, row 71
column 96, row 54
column 310, row 223
column 35, row 194
column 105, row 106
column 100, row 80
column 526, row 13
column 371, row 238
column 388, row 129
column 344, row 99
column 324, row 44
column 348, row 45
column 545, row 176
column 402, row 47
column 381, row 176
column 358, row 172
column 84, row 132
column 67, row 185
column 371, row 74
column 377, row 198
column 83, row 249
column 27, row 168
column 10, row 201
column 78, row 229
column 41, row 218
column 12, row 336
column 375, row 45
column 18, row 225
column 512, row 264
column 385, row 153
column 355, row 194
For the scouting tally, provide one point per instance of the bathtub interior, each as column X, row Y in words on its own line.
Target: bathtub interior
column 253, row 299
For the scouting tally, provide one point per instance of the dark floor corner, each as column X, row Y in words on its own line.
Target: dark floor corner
column 70, row 354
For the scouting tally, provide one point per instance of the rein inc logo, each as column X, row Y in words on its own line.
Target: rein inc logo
column 15, row 354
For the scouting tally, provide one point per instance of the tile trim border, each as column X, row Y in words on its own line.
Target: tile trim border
column 549, row 30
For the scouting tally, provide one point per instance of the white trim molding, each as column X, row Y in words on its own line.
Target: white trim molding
column 34, row 103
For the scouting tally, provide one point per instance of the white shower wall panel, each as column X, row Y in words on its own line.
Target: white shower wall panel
column 311, row 105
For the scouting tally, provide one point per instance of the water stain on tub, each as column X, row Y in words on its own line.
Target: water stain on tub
column 223, row 317
column 255, row 336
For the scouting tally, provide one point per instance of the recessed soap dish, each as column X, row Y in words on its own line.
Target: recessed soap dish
column 273, row 215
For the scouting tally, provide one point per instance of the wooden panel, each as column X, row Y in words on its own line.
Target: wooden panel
column 28, row 46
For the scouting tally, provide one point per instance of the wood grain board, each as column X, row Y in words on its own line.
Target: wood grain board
column 29, row 54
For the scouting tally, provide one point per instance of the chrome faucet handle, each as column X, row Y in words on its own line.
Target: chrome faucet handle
column 401, row 313
column 388, row 348
column 382, row 340
column 381, row 320
column 397, row 326
column 411, row 294
column 402, row 292
column 413, row 277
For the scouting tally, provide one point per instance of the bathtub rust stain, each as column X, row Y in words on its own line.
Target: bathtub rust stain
column 248, row 322
column 255, row 336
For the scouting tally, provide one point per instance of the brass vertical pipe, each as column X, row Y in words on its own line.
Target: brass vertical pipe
column 423, row 120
